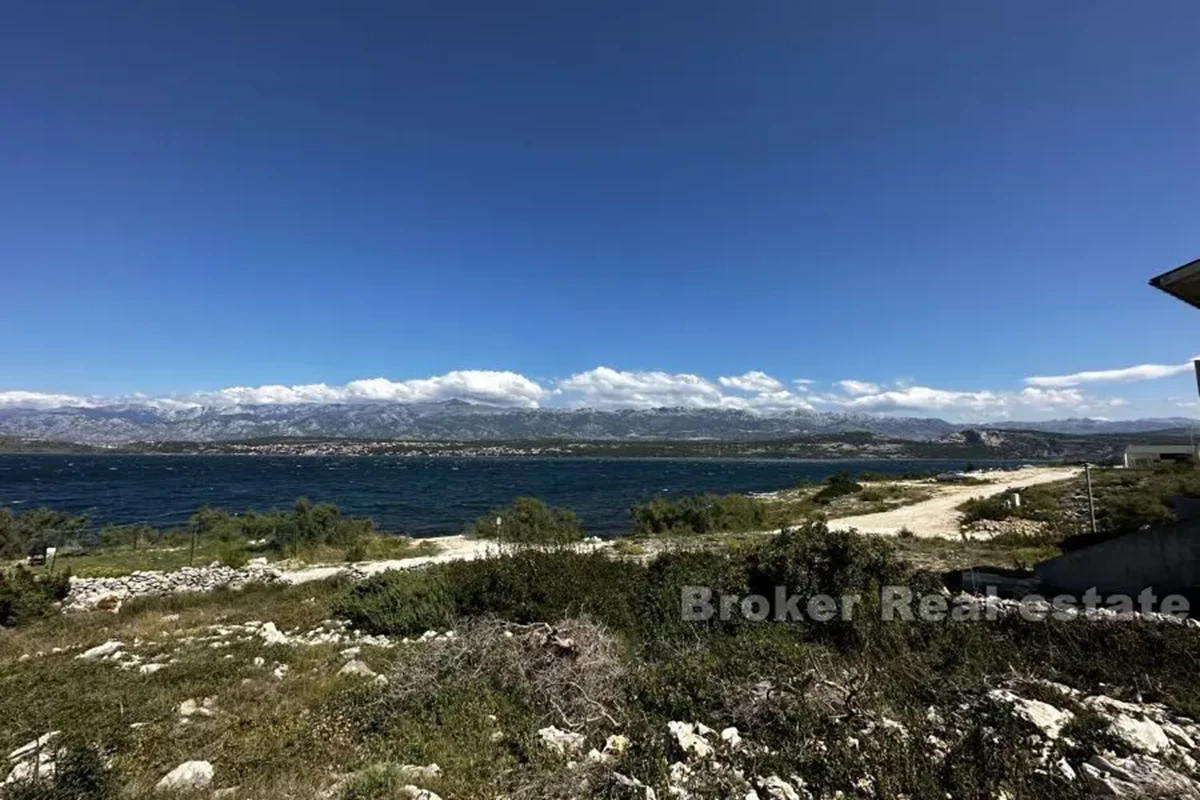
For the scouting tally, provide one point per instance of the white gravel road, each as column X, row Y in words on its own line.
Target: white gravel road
column 938, row 517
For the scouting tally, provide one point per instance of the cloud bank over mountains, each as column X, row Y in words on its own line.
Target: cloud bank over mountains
column 606, row 388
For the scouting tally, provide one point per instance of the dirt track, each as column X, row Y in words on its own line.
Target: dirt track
column 938, row 517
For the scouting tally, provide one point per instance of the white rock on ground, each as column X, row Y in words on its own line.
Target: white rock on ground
column 560, row 741
column 30, row 748
column 1047, row 718
column 1138, row 776
column 415, row 772
column 190, row 776
column 777, row 788
column 271, row 635
column 356, row 667
column 100, row 651
column 690, row 738
column 31, row 769
column 417, row 793
column 1140, row 734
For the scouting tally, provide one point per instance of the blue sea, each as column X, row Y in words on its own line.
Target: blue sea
column 415, row 496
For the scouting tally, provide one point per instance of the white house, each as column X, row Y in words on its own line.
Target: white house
column 1147, row 455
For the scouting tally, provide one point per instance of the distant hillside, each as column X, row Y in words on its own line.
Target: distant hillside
column 459, row 421
column 453, row 420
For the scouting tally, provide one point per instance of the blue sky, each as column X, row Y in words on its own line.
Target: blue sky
column 939, row 196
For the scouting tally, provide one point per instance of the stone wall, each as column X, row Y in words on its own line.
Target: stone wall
column 109, row 593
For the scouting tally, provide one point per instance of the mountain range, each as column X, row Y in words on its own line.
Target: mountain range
column 455, row 420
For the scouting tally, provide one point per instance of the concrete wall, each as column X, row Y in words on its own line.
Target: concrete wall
column 1165, row 558
column 1148, row 455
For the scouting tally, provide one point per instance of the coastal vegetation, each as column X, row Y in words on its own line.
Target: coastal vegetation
column 579, row 648
column 307, row 532
column 25, row 597
column 1124, row 500
column 528, row 520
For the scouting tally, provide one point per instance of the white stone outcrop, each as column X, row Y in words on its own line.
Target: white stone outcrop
column 32, row 761
column 190, row 776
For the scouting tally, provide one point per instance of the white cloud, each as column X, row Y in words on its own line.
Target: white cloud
column 921, row 398
column 1045, row 398
column 43, row 400
column 753, row 381
column 481, row 386
column 858, row 387
column 607, row 388
column 1140, row 372
column 998, row 404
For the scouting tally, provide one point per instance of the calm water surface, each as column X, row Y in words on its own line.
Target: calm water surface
column 419, row 496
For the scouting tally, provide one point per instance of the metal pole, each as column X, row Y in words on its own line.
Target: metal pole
column 1087, row 473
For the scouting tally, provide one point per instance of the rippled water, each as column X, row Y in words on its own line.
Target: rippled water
column 421, row 496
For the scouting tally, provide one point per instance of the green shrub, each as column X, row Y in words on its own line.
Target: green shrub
column 234, row 554
column 305, row 527
column 992, row 508
column 1129, row 512
column 80, row 774
column 399, row 603
column 812, row 559
column 25, row 597
column 535, row 586
column 529, row 521
column 628, row 547
column 133, row 536
column 705, row 513
column 36, row 529
column 837, row 485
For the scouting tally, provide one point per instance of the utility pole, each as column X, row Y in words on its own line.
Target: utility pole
column 1087, row 473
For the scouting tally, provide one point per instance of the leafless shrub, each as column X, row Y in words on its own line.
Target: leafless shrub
column 573, row 667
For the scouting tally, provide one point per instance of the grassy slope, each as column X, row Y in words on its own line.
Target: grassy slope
column 111, row 562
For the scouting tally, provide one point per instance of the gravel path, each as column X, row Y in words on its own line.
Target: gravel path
column 938, row 517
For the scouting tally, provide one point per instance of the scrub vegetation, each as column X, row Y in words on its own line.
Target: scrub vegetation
column 595, row 646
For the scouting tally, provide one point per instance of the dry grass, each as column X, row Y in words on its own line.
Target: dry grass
column 574, row 668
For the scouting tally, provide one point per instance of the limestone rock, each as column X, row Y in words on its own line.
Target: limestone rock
column 271, row 635
column 560, row 741
column 36, row 746
column 356, row 667
column 690, row 738
column 1138, row 776
column 414, row 772
column 417, row 793
column 190, row 776
column 1140, row 734
column 100, row 651
column 1045, row 717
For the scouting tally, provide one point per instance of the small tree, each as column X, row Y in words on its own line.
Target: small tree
column 529, row 521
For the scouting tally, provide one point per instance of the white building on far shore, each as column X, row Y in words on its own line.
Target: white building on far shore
column 1147, row 455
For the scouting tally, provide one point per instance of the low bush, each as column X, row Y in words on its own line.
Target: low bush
column 979, row 508
column 36, row 529
column 400, row 603
column 705, row 513
column 306, row 527
column 837, row 485
column 80, row 774
column 131, row 536
column 25, row 597
column 528, row 520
